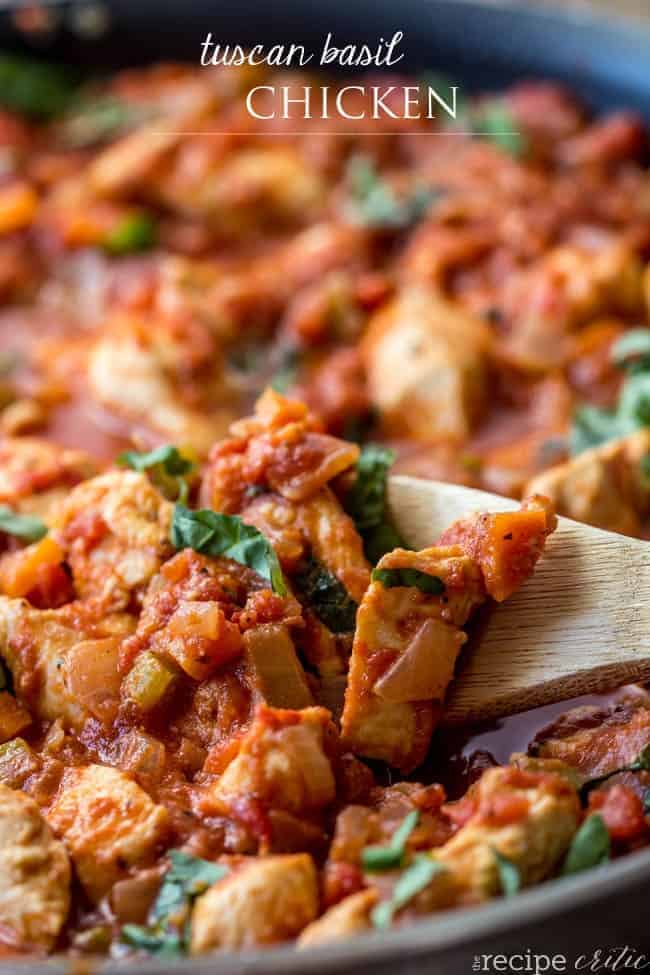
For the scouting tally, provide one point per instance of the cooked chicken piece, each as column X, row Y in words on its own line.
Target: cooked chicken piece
column 252, row 189
column 604, row 486
column 351, row 916
column 598, row 738
column 318, row 527
column 34, row 873
column 266, row 901
column 108, row 824
column 280, row 449
column 408, row 629
column 402, row 629
column 285, row 764
column 528, row 818
column 63, row 661
column 127, row 162
column 114, row 530
column 562, row 292
column 168, row 378
column 427, row 366
column 35, row 476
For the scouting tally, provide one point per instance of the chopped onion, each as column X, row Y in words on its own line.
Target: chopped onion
column 425, row 668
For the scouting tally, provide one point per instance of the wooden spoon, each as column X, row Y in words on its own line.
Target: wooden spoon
column 580, row 625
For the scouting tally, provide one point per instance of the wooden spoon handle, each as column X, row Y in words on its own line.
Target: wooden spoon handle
column 580, row 625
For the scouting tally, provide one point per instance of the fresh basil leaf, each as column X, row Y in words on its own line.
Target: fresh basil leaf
column 160, row 944
column 593, row 426
column 216, row 534
column 391, row 856
column 287, row 372
column 644, row 467
column 590, row 846
column 415, row 879
column 167, row 467
column 167, row 934
column 170, row 458
column 633, row 346
column 187, row 877
column 366, row 502
column 642, row 763
column 327, row 597
column 93, row 120
column 374, row 203
column 35, row 88
column 493, row 121
column 412, row 578
column 135, row 233
column 27, row 527
column 509, row 876
column 646, row 802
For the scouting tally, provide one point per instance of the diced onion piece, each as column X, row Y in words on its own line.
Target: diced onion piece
column 148, row 681
column 143, row 756
column 17, row 762
column 201, row 639
column 276, row 671
column 93, row 677
column 13, row 716
column 424, row 670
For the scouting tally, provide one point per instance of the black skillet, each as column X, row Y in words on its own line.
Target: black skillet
column 484, row 45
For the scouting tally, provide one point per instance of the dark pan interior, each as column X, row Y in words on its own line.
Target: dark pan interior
column 483, row 45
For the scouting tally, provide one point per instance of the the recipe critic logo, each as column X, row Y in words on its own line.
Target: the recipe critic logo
column 353, row 102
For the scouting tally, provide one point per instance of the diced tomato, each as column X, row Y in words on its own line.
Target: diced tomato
column 622, row 811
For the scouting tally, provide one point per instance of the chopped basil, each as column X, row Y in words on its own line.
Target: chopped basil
column 415, row 879
column 186, row 879
column 644, row 467
column 493, row 121
column 411, row 578
column 374, row 203
column 589, row 847
column 593, row 425
column 287, row 372
column 135, row 233
column 509, row 876
column 27, row 527
column 96, row 119
column 640, row 764
column 327, row 597
column 646, row 802
column 216, row 534
column 167, row 466
column 35, row 88
column 391, row 856
column 366, row 502
column 632, row 349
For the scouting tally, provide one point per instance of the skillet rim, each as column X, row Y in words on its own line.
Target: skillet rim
column 426, row 939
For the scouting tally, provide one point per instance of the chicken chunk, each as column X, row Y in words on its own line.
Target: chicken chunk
column 34, row 873
column 405, row 648
column 427, row 367
column 528, row 818
column 168, row 379
column 408, row 629
column 351, row 916
column 51, row 652
column 269, row 900
column 285, row 765
column 604, row 486
column 108, row 824
column 599, row 738
column 114, row 530
column 35, row 476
